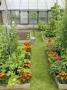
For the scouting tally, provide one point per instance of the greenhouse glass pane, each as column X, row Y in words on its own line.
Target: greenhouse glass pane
column 49, row 16
column 32, row 17
column 42, row 4
column 13, row 16
column 24, row 17
column 1, row 21
column 42, row 16
column 33, row 4
column 9, row 17
column 13, row 4
column 23, row 4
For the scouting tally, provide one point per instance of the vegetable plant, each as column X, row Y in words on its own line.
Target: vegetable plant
column 11, row 57
column 42, row 26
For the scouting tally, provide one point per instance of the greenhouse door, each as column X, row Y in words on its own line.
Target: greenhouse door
column 1, row 21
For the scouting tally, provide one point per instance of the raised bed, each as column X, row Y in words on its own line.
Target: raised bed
column 60, row 86
column 17, row 87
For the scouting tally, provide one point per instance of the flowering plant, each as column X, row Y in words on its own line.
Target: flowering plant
column 27, row 64
column 27, row 46
column 25, row 76
column 62, row 77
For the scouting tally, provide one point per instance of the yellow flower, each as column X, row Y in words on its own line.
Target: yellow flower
column 66, row 77
column 62, row 78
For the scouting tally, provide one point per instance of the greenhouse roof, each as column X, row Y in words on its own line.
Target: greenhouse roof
column 30, row 4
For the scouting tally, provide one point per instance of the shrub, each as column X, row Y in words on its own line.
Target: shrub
column 42, row 26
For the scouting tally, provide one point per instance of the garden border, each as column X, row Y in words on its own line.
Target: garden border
column 25, row 86
column 60, row 86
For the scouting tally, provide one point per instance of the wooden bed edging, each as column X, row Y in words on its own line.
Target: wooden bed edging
column 60, row 86
column 17, row 87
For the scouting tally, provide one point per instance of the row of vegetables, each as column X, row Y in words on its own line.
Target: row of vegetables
column 58, row 62
column 15, row 59
column 26, row 74
column 21, row 74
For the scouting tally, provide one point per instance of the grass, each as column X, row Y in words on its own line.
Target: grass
column 41, row 78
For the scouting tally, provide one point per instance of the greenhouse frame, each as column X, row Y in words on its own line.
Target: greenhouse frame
column 27, row 12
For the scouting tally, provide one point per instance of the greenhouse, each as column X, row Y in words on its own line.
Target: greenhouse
column 33, row 44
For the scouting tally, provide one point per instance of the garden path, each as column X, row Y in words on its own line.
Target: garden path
column 41, row 78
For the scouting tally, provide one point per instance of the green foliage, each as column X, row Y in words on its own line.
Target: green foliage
column 65, row 29
column 33, row 14
column 11, row 57
column 55, row 21
column 13, row 80
column 57, row 67
column 13, row 40
column 59, row 35
column 49, row 33
column 8, row 44
column 56, row 25
column 60, row 28
column 11, row 53
column 55, row 17
column 42, row 26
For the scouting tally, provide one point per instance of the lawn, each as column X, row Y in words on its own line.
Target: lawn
column 41, row 78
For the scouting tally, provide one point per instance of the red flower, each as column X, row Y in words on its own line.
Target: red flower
column 29, row 75
column 23, row 79
column 58, row 58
